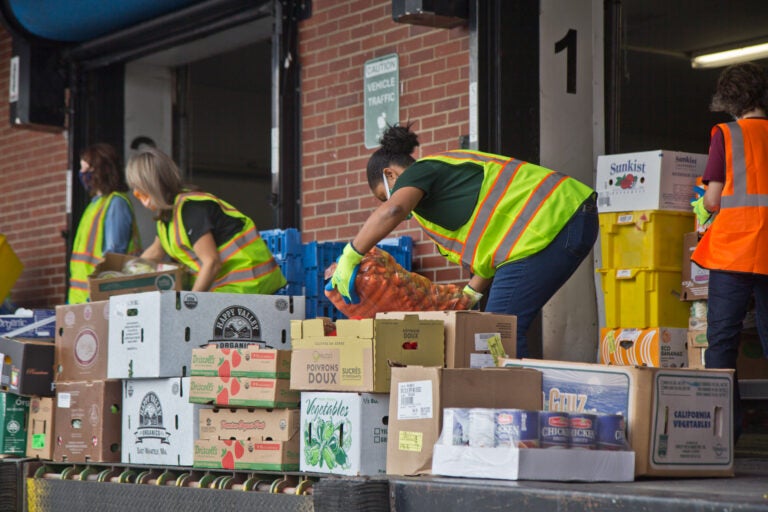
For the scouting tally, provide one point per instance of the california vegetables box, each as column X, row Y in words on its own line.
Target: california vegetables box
column 344, row 433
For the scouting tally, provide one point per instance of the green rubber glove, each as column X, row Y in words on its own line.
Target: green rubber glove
column 472, row 296
column 703, row 215
column 343, row 278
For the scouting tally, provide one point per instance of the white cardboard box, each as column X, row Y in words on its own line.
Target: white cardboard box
column 534, row 464
column 344, row 433
column 152, row 334
column 648, row 180
column 160, row 425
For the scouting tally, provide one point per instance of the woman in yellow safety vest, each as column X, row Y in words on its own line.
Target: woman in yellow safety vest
column 219, row 245
column 526, row 227
column 107, row 224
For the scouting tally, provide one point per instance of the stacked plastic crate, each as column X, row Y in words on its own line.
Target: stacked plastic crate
column 644, row 210
column 285, row 245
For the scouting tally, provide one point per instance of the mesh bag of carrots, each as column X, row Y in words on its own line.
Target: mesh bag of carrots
column 383, row 285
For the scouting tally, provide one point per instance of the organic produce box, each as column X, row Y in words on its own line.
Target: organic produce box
column 82, row 342
column 14, row 410
column 40, row 321
column 118, row 274
column 243, row 392
column 253, row 361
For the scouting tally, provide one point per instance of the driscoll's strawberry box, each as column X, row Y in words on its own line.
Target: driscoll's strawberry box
column 243, row 392
column 254, row 361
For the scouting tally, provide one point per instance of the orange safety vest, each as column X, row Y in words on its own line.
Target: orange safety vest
column 737, row 240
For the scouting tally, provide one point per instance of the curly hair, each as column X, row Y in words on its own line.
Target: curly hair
column 107, row 172
column 397, row 144
column 740, row 89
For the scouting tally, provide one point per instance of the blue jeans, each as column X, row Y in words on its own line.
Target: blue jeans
column 729, row 296
column 522, row 287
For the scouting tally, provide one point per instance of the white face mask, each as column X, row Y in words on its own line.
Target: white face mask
column 387, row 190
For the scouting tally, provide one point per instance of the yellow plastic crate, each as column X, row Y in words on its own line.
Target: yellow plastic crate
column 641, row 298
column 10, row 268
column 644, row 238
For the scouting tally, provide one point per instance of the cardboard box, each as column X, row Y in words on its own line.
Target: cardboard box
column 660, row 347
column 697, row 338
column 247, row 454
column 534, row 464
column 82, row 342
column 344, row 433
column 696, row 357
column 152, row 334
column 648, row 180
column 358, row 357
column 695, row 278
column 419, row 395
column 41, row 323
column 245, row 424
column 14, row 411
column 160, row 425
column 751, row 363
column 243, row 392
column 241, row 362
column 40, row 427
column 464, row 332
column 27, row 366
column 87, row 419
column 679, row 421
column 167, row 277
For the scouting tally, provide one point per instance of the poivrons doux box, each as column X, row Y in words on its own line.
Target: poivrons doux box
column 679, row 420
column 358, row 357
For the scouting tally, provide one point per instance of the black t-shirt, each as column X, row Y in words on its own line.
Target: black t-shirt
column 201, row 217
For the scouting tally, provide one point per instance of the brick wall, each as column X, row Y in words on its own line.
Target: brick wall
column 33, row 202
column 434, row 74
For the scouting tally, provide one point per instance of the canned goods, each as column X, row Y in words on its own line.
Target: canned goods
column 517, row 428
column 554, row 429
column 583, row 430
column 455, row 426
column 482, row 428
column 611, row 432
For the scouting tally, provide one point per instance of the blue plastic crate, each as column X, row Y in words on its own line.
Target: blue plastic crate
column 293, row 270
column 401, row 248
column 283, row 243
column 322, row 307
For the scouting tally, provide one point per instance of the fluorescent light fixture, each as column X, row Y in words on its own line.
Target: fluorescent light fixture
column 728, row 57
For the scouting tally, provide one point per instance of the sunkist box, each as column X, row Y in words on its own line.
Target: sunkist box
column 27, row 366
column 660, row 347
column 695, row 278
column 344, row 433
column 40, row 427
column 167, row 277
column 466, row 335
column 160, row 425
column 82, row 340
column 152, row 334
column 419, row 395
column 679, row 420
column 87, row 419
column 648, row 180
column 252, row 439
column 14, row 410
column 358, row 357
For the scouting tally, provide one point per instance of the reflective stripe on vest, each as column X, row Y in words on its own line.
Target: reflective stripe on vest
column 740, row 197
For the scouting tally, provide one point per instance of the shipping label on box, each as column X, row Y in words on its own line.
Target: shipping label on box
column 632, row 392
column 153, row 334
column 254, row 361
column 40, row 427
column 648, row 180
column 160, row 425
column 243, row 392
column 27, row 366
column 87, row 419
column 249, row 424
column 14, row 411
column 165, row 277
column 660, row 347
column 359, row 357
column 247, row 454
column 82, row 341
column 344, row 433
column 461, row 333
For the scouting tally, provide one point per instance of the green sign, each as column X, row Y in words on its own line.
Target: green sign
column 381, row 97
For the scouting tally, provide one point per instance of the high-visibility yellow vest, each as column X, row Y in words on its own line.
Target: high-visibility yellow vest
column 87, row 249
column 520, row 209
column 247, row 265
column 737, row 240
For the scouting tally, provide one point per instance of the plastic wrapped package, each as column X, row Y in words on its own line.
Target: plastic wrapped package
column 383, row 285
